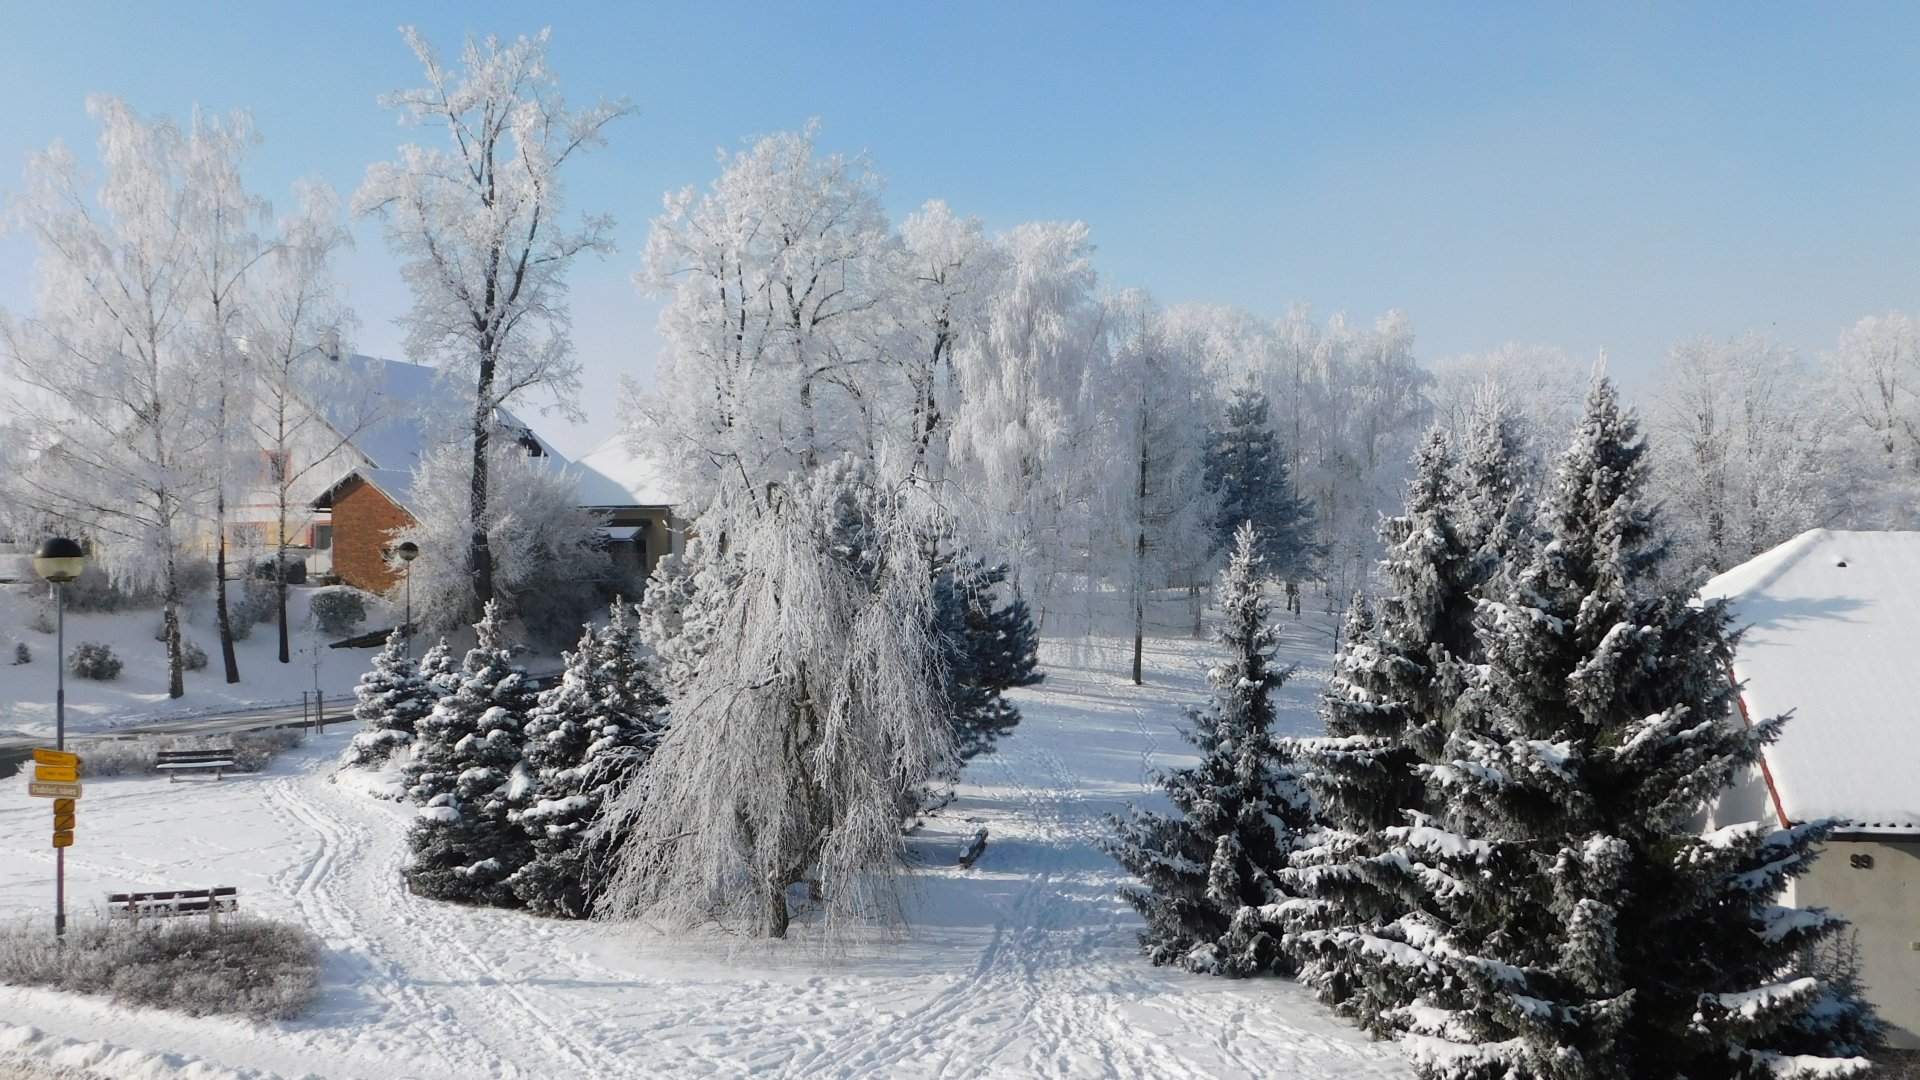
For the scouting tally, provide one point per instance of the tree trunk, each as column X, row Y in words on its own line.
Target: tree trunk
column 221, row 612
column 479, row 553
column 170, row 624
column 776, row 909
column 280, row 570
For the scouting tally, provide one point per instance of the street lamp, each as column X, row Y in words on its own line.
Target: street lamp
column 408, row 551
column 60, row 560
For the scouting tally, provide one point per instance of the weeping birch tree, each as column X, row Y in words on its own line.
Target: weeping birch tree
column 478, row 226
column 812, row 720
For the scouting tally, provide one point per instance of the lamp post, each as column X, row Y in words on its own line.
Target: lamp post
column 408, row 551
column 60, row 560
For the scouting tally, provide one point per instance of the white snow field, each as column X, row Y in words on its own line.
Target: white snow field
column 1025, row 966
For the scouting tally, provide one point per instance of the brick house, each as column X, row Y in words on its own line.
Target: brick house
column 369, row 497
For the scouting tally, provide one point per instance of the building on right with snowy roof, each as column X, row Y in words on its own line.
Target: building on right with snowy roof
column 1831, row 633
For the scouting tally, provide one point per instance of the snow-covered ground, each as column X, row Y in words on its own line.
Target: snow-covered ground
column 140, row 693
column 1025, row 966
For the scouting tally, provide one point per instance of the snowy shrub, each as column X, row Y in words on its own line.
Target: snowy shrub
column 255, row 603
column 192, row 656
column 94, row 660
column 252, row 750
column 241, row 966
column 94, row 591
column 337, row 609
column 22, row 654
column 550, row 569
column 41, row 621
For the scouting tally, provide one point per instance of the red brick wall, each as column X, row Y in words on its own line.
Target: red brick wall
column 363, row 523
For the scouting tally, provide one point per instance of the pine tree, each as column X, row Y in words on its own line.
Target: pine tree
column 1207, row 871
column 586, row 737
column 390, row 700
column 1396, row 678
column 466, row 767
column 1569, row 922
column 989, row 645
column 1248, row 473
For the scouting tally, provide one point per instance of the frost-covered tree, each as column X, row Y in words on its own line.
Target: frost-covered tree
column 468, row 762
column 1569, row 919
column 1247, row 471
column 293, row 329
column 813, row 715
column 586, row 737
column 549, row 560
column 988, row 646
column 775, row 283
column 390, row 700
column 1155, row 454
column 1744, row 458
column 1207, row 870
column 107, row 369
column 1031, row 410
column 478, row 225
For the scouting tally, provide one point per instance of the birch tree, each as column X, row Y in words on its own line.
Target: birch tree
column 774, row 282
column 104, row 367
column 294, row 336
column 478, row 225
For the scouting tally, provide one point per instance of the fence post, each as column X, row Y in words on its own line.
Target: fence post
column 319, row 713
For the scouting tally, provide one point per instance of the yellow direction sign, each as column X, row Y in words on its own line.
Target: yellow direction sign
column 42, row 790
column 56, row 757
column 63, row 839
column 59, row 774
column 63, row 813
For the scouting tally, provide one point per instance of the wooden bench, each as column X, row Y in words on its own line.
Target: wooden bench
column 219, row 760
column 214, row 902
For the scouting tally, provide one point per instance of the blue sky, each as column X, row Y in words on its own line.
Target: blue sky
column 1586, row 176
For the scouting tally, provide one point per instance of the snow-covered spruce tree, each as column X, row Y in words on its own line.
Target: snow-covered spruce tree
column 1395, row 680
column 1570, row 920
column 989, row 645
column 467, row 761
column 585, row 737
column 389, row 701
column 1207, row 870
column 1248, row 474
column 814, row 713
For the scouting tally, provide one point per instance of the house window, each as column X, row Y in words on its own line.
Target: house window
column 277, row 462
column 322, row 537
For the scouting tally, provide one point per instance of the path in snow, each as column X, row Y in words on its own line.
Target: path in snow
column 1025, row 966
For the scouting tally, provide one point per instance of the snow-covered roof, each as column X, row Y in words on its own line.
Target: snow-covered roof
column 613, row 475
column 1833, row 634
column 417, row 412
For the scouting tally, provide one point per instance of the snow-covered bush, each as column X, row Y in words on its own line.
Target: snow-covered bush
column 256, row 603
column 192, row 656
column 21, row 653
column 94, row 660
column 549, row 563
column 337, row 609
column 242, row 966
